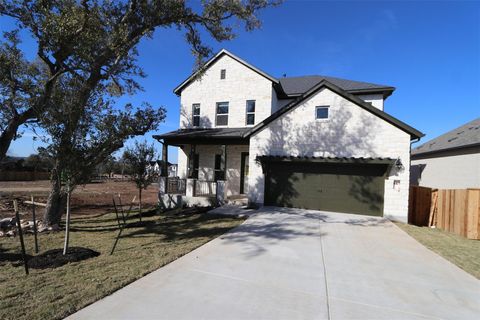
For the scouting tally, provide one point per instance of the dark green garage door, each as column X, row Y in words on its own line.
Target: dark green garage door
column 338, row 187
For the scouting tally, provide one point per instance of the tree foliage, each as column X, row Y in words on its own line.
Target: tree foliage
column 87, row 58
column 138, row 159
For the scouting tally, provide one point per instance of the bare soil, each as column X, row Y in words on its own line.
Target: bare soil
column 89, row 199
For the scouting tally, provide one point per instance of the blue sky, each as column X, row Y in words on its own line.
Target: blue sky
column 429, row 51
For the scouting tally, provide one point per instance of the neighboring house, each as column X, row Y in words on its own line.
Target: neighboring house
column 451, row 161
column 157, row 166
column 311, row 142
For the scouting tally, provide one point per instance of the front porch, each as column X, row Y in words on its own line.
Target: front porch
column 213, row 167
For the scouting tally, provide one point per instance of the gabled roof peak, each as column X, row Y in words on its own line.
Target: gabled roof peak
column 212, row 60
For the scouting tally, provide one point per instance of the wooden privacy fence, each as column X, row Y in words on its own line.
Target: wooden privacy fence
column 453, row 210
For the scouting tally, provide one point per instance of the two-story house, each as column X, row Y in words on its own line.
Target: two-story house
column 311, row 142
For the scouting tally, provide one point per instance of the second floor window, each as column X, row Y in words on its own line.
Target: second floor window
column 250, row 118
column 222, row 114
column 196, row 114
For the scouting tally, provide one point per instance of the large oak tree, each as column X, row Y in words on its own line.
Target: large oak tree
column 86, row 57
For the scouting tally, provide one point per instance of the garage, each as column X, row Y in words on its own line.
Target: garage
column 349, row 185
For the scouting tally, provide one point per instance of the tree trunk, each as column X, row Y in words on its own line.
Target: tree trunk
column 6, row 137
column 55, row 204
column 140, row 204
column 67, row 225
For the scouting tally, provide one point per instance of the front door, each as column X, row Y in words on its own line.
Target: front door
column 244, row 173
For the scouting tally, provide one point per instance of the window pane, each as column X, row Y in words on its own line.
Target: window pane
column 322, row 112
column 196, row 121
column 222, row 120
column 223, row 73
column 196, row 109
column 251, row 106
column 250, row 118
column 222, row 108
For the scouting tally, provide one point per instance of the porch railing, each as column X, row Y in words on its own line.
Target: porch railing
column 176, row 185
column 205, row 188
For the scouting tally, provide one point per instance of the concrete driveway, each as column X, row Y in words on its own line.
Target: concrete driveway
column 301, row 264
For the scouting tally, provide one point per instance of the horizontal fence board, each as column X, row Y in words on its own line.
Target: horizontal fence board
column 455, row 210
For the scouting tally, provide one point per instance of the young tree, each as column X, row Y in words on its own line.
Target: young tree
column 138, row 160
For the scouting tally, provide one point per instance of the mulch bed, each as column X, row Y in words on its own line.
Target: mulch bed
column 55, row 258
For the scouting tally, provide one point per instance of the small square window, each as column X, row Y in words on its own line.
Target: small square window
column 223, row 74
column 321, row 113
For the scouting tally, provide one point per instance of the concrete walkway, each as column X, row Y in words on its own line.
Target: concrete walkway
column 300, row 264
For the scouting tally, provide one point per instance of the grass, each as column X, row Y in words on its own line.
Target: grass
column 461, row 251
column 56, row 293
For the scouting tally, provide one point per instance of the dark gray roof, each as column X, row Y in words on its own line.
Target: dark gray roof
column 203, row 135
column 359, row 160
column 300, row 85
column 414, row 133
column 464, row 136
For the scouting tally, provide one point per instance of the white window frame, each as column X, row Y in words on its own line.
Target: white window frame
column 221, row 114
column 322, row 107
column 194, row 106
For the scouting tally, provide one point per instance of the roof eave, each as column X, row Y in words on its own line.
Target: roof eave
column 432, row 152
column 414, row 133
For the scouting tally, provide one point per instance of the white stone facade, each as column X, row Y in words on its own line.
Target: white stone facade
column 207, row 163
column 240, row 84
column 351, row 131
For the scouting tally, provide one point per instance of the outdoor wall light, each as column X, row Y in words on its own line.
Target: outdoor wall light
column 398, row 164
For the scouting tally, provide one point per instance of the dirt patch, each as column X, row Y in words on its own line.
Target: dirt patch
column 55, row 258
column 89, row 199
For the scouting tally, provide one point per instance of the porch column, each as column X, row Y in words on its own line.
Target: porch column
column 191, row 157
column 224, row 162
column 163, row 182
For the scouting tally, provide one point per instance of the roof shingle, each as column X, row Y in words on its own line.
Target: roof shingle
column 463, row 136
column 299, row 85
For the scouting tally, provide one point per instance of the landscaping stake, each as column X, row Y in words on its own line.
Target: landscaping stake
column 116, row 211
column 67, row 226
column 121, row 207
column 34, row 226
column 123, row 226
column 22, row 244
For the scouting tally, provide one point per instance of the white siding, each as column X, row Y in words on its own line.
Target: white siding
column 241, row 84
column 350, row 132
column 450, row 171
column 375, row 99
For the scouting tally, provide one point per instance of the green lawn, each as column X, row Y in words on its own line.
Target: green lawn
column 56, row 293
column 461, row 251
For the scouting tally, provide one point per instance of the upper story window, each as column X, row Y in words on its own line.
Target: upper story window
column 196, row 114
column 250, row 118
column 322, row 112
column 222, row 114
column 223, row 74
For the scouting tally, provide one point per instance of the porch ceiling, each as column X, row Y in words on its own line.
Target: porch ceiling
column 204, row 136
